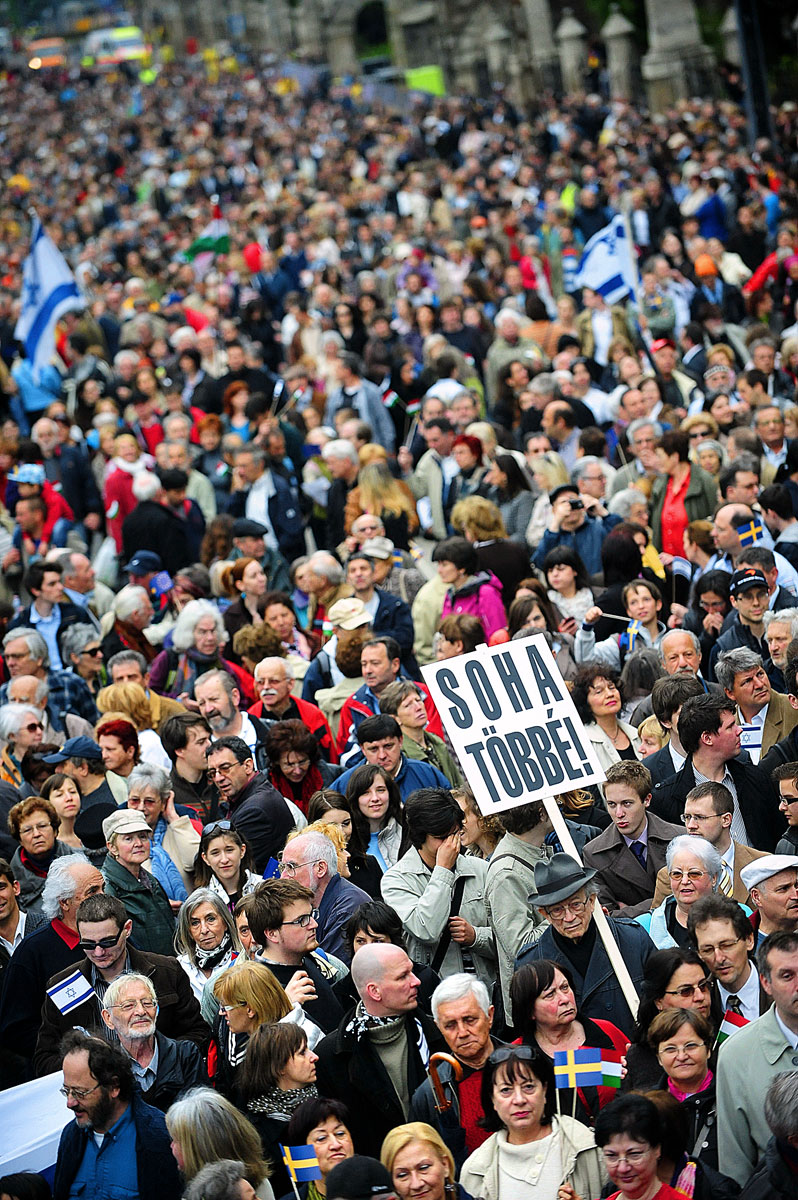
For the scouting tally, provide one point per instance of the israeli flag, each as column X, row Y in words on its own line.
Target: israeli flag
column 70, row 992
column 48, row 291
column 32, row 1117
column 607, row 265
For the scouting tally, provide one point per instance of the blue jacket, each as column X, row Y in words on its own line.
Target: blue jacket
column 368, row 404
column 158, row 1176
column 586, row 541
column 599, row 994
column 393, row 617
column 340, row 899
column 412, row 775
column 285, row 515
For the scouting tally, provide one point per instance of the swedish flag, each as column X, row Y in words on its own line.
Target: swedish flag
column 302, row 1163
column 578, row 1068
column 633, row 629
column 750, row 533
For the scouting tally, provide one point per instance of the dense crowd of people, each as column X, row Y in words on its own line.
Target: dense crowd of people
column 248, row 901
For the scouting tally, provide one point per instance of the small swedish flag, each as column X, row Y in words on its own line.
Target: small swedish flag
column 578, row 1068
column 302, row 1163
column 750, row 533
column 633, row 630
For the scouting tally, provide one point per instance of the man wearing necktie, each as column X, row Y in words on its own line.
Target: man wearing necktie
column 723, row 937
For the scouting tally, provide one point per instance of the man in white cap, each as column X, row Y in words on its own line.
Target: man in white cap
column 773, row 885
column 750, row 1060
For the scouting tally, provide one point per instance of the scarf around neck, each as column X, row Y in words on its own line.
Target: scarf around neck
column 278, row 1103
column 208, row 959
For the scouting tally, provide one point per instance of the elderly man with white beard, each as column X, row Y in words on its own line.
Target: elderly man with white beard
column 162, row 1067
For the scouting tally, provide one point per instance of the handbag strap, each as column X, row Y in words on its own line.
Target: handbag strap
column 454, row 910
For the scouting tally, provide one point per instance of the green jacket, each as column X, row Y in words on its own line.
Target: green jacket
column 700, row 500
column 437, row 754
column 150, row 911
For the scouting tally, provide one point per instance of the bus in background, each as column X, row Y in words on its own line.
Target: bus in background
column 108, row 48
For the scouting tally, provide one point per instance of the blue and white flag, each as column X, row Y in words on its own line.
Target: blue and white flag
column 70, row 992
column 607, row 265
column 32, row 1117
column 48, row 291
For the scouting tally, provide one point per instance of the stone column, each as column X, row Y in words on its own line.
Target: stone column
column 677, row 64
column 618, row 35
column 572, row 41
column 541, row 44
column 731, row 37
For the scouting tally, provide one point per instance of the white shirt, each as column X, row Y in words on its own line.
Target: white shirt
column 677, row 759
column 748, row 995
column 790, row 1037
column 601, row 322
column 257, row 509
column 19, row 934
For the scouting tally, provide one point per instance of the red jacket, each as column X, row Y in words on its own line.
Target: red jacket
column 313, row 719
column 361, row 705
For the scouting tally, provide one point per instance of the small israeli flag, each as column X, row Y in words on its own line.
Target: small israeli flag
column 48, row 291
column 70, row 992
column 608, row 265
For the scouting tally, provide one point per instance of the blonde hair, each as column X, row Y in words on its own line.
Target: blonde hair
column 552, row 468
column 651, row 728
column 380, row 493
column 479, row 517
column 416, row 1131
column 128, row 700
column 371, row 453
column 207, row 1128
column 335, row 834
column 256, row 986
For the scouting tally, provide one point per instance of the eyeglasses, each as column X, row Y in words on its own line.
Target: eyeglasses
column 297, row 764
column 685, row 817
column 693, row 875
column 94, row 652
column 712, row 605
column 504, row 1053
column 78, row 1093
column 130, row 1006
column 577, row 907
column 721, row 948
column 220, row 826
column 632, row 1157
column 104, row 943
column 25, row 830
column 672, row 1051
column 34, row 725
column 290, row 868
column 304, row 920
column 699, row 435
column 689, row 989
column 230, row 1007
column 223, row 769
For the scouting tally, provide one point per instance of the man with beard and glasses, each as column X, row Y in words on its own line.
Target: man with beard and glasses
column 218, row 699
column 162, row 1067
column 256, row 810
column 117, row 1144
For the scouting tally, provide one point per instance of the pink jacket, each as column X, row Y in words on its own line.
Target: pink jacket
column 480, row 597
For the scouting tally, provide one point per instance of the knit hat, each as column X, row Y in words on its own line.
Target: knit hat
column 705, row 265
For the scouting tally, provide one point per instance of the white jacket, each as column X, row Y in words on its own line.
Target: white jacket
column 582, row 1163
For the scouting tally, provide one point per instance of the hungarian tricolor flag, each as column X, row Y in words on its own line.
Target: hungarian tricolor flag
column 214, row 239
column 732, row 1022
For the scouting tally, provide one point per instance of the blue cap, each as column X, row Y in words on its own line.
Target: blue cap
column 28, row 473
column 76, row 747
column 143, row 562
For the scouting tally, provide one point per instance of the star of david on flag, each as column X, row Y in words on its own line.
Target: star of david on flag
column 70, row 992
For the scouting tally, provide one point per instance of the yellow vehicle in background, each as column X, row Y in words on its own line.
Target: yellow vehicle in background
column 46, row 52
column 109, row 48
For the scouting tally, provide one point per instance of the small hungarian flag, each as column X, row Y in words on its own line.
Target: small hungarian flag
column 390, row 398
column 750, row 533
column 214, row 239
column 302, row 1163
column 587, row 1067
column 732, row 1023
column 413, row 407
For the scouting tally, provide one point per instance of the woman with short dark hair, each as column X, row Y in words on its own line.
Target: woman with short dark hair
column 469, row 590
column 681, row 493
column 296, row 767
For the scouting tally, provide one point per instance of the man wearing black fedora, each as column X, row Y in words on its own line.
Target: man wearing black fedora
column 566, row 896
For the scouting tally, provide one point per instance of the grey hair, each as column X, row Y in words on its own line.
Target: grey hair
column 787, row 616
column 781, row 1105
column 190, row 616
column 711, row 444
column 643, row 423
column 124, row 356
column 127, row 656
column 37, row 646
column 170, row 419
column 146, row 774
column 118, row 985
column 341, row 448
column 623, row 502
column 146, row 486
column 11, row 717
column 693, row 638
column 225, row 678
column 322, row 563
column 506, row 314
column 184, row 942
column 701, row 848
column 457, row 987
column 76, row 638
column 321, row 848
column 129, row 600
column 732, row 663
column 39, row 696
column 60, row 883
column 217, row 1181
column 269, row 662
column 543, row 384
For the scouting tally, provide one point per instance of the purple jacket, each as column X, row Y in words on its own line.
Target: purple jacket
column 480, row 597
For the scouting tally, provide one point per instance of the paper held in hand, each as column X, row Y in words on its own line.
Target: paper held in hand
column 512, row 723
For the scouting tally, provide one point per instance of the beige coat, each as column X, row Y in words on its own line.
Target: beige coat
column 583, row 1163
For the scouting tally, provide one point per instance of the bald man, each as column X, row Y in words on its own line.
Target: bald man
column 378, row 1055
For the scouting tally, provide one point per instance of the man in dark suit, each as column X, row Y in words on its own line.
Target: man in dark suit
column 667, row 697
column 709, row 732
column 628, row 855
column 723, row 937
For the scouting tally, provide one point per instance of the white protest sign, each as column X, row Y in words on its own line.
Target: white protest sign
column 512, row 723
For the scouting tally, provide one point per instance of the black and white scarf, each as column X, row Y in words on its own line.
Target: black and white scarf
column 208, row 959
column 362, row 1022
column 277, row 1103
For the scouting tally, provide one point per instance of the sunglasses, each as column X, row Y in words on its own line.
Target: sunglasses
column 525, row 1053
column 220, row 826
